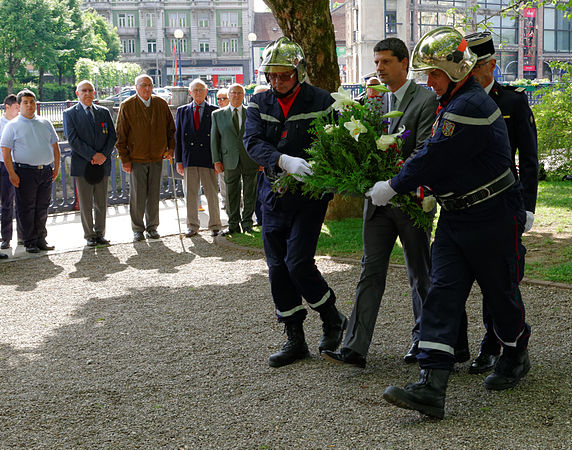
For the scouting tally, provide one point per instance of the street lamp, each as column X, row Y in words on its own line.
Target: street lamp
column 95, row 74
column 178, row 36
column 252, row 37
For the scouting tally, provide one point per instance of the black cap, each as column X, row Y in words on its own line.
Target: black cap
column 94, row 173
column 481, row 44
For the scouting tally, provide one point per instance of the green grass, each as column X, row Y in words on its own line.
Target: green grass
column 549, row 244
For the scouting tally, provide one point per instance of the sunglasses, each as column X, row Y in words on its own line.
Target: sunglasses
column 281, row 76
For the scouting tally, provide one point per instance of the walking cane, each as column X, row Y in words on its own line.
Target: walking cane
column 176, row 202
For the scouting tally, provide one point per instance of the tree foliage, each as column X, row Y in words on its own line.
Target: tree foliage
column 554, row 121
column 107, row 74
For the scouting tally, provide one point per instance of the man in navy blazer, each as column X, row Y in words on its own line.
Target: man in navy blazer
column 91, row 134
column 194, row 159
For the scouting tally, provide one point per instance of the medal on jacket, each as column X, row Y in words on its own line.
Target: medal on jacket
column 104, row 127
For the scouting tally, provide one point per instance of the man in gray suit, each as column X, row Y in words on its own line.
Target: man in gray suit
column 230, row 157
column 91, row 134
column 383, row 224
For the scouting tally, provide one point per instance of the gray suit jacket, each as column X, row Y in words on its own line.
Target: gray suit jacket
column 226, row 144
column 419, row 107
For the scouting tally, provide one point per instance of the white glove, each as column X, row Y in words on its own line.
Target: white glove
column 381, row 193
column 295, row 166
column 529, row 221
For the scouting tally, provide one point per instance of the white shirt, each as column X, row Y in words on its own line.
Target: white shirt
column 147, row 103
column 30, row 140
column 489, row 87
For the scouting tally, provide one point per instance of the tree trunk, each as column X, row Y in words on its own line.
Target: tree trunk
column 309, row 24
column 41, row 84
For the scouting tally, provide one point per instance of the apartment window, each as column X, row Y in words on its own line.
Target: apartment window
column 204, row 46
column 178, row 19
column 228, row 19
column 225, row 46
column 183, row 43
column 128, row 45
column 234, row 45
column 449, row 3
column 504, row 29
column 152, row 46
column 203, row 20
column 390, row 22
column 557, row 31
column 121, row 20
column 430, row 20
column 131, row 20
column 150, row 22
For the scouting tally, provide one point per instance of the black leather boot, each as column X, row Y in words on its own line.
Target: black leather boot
column 510, row 368
column 333, row 324
column 426, row 396
column 294, row 349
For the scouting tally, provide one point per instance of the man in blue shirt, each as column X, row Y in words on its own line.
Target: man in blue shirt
column 30, row 147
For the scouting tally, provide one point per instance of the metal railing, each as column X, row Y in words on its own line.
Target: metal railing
column 64, row 194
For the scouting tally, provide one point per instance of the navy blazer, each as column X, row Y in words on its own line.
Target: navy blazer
column 85, row 140
column 193, row 148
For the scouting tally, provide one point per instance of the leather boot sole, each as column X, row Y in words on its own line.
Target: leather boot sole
column 401, row 398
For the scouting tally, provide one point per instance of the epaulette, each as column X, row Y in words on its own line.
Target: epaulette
column 518, row 89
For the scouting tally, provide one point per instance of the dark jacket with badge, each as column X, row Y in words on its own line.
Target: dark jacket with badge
column 519, row 120
column 86, row 140
column 468, row 148
column 193, row 147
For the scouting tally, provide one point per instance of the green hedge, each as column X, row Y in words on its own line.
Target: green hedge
column 53, row 92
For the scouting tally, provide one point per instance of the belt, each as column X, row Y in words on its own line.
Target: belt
column 28, row 166
column 485, row 192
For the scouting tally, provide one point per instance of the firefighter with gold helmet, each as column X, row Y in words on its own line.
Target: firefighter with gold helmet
column 276, row 134
column 467, row 164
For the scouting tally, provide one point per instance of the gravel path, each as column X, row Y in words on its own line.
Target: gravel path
column 142, row 346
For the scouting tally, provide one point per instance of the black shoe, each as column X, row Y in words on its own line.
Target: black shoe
column 411, row 356
column 102, row 241
column 3, row 256
column 191, row 233
column 153, row 234
column 5, row 245
column 32, row 249
column 508, row 371
column 484, row 362
column 345, row 356
column 333, row 325
column 294, row 349
column 426, row 396
column 230, row 232
column 45, row 247
column 91, row 242
column 138, row 236
column 462, row 355
column 215, row 233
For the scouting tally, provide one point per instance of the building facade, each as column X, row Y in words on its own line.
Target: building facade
column 526, row 41
column 176, row 41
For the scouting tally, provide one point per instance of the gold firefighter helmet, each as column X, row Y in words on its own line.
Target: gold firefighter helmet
column 283, row 55
column 446, row 49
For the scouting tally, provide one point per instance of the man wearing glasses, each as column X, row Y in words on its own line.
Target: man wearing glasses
column 222, row 101
column 277, row 132
column 145, row 136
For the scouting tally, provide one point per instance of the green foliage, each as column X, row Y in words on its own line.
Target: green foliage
column 110, row 74
column 350, row 165
column 554, row 122
column 52, row 91
column 101, row 40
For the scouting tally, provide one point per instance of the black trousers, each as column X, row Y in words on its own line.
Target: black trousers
column 33, row 198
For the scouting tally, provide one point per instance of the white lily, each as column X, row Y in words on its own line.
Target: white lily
column 343, row 100
column 328, row 128
column 428, row 203
column 385, row 140
column 355, row 127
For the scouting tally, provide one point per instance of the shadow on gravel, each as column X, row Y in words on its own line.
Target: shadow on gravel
column 172, row 353
column 96, row 264
column 31, row 272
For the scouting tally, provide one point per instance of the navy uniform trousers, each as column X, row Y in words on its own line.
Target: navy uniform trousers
column 290, row 231
column 483, row 244
column 32, row 202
